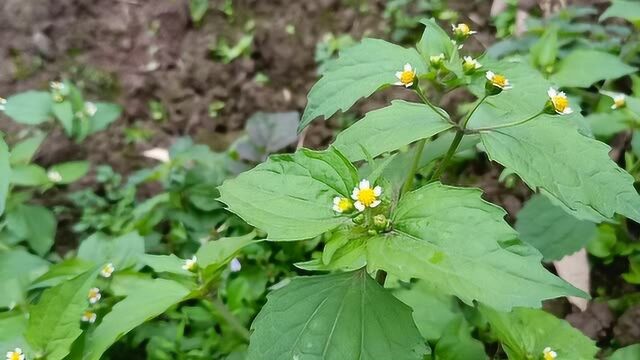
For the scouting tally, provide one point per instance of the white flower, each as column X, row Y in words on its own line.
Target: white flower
column 549, row 354
column 89, row 316
column 190, row 264
column 470, row 64
column 341, row 205
column 235, row 265
column 3, row 102
column 559, row 101
column 365, row 196
column 55, row 85
column 497, row 80
column 90, row 108
column 160, row 154
column 462, row 30
column 107, row 270
column 54, row 176
column 619, row 101
column 436, row 59
column 16, row 354
column 94, row 295
column 406, row 76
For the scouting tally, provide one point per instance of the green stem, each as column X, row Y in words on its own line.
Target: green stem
column 428, row 103
column 520, row 122
column 230, row 319
column 414, row 167
column 456, row 141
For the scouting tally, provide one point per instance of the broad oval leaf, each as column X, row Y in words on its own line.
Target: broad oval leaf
column 551, row 156
column 551, row 230
column 525, row 333
column 435, row 41
column 5, row 174
column 390, row 128
column 290, row 196
column 150, row 299
column 30, row 107
column 335, row 317
column 358, row 72
column 34, row 223
column 461, row 245
column 631, row 352
column 54, row 322
column 626, row 9
column 106, row 113
column 582, row 68
column 71, row 171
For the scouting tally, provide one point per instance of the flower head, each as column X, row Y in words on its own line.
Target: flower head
column 455, row 43
column 619, row 101
column 498, row 80
column 436, row 60
column 89, row 316
column 16, row 354
column 94, row 295
column 407, row 76
column 549, row 354
column 90, row 108
column 559, row 101
column 235, row 265
column 107, row 270
column 3, row 102
column 54, row 176
column 56, row 85
column 342, row 205
column 461, row 31
column 470, row 64
column 365, row 196
column 190, row 264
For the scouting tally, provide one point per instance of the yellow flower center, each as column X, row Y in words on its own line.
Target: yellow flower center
column 93, row 293
column 619, row 102
column 345, row 205
column 499, row 80
column 14, row 356
column 366, row 196
column 407, row 77
column 464, row 29
column 548, row 356
column 560, row 103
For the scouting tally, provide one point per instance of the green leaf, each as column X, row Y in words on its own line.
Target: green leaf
column 5, row 174
column 18, row 269
column 631, row 352
column 122, row 251
column 335, row 317
column 23, row 151
column 197, row 9
column 29, row 175
column 54, row 322
column 581, row 68
column 31, row 107
column 626, row 9
column 64, row 113
column 216, row 254
column 457, row 344
column 461, row 245
column 545, row 51
column 62, row 271
column 551, row 230
column 525, row 333
column 150, row 299
column 291, row 196
column 106, row 113
column 71, row 171
column 390, row 128
column 433, row 312
column 35, row 224
column 435, row 41
column 165, row 263
column 358, row 72
column 551, row 156
column 607, row 124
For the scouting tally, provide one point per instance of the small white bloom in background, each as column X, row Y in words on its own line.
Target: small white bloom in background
column 54, row 176
column 365, row 196
column 107, row 270
column 497, row 80
column 559, row 101
column 56, row 85
column 190, row 264
column 235, row 265
column 462, row 29
column 16, row 354
column 406, row 76
column 341, row 205
column 90, row 108
column 470, row 64
column 94, row 295
column 619, row 101
column 89, row 316
column 159, row 154
column 549, row 354
column 3, row 102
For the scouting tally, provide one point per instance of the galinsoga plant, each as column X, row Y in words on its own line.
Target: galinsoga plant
column 377, row 226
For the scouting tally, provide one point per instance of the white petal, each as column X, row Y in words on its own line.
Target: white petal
column 614, row 106
column 407, row 67
column 377, row 190
column 453, row 27
column 408, row 85
column 490, row 75
column 359, row 206
column 551, row 92
column 468, row 59
column 375, row 203
column 354, row 194
column 336, row 208
column 235, row 265
column 562, row 94
column 472, row 32
column 364, row 184
column 398, row 83
column 336, row 200
column 399, row 74
column 553, row 354
column 547, row 349
column 567, row 111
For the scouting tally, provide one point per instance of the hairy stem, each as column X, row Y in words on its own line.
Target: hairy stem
column 230, row 319
column 515, row 123
column 414, row 166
